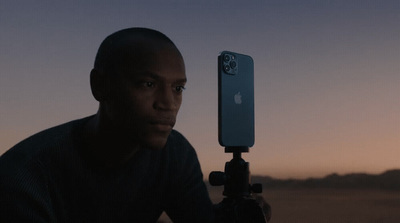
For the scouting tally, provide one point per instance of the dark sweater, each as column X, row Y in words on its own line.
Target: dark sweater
column 46, row 178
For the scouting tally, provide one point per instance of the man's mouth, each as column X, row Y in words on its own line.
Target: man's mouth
column 163, row 125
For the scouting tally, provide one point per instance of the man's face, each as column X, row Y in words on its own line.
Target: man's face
column 146, row 97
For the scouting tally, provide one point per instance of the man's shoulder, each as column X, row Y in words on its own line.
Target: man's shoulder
column 179, row 148
column 38, row 144
column 178, row 141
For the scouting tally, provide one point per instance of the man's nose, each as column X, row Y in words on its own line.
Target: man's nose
column 165, row 99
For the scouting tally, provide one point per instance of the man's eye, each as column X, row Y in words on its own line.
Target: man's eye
column 148, row 84
column 179, row 89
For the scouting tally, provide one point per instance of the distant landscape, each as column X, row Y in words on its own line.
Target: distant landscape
column 355, row 197
column 388, row 180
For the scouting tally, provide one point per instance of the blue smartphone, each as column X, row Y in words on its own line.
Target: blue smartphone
column 235, row 100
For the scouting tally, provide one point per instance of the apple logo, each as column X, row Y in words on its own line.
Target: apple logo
column 238, row 98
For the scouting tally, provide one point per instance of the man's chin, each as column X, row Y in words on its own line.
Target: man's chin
column 155, row 143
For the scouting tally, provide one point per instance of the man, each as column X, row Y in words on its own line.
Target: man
column 123, row 164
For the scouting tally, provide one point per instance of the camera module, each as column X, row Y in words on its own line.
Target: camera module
column 229, row 64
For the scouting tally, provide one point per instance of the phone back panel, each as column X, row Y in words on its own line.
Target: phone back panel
column 235, row 99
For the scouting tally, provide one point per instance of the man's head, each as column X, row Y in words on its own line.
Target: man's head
column 138, row 78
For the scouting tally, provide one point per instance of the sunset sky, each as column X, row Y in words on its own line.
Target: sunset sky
column 327, row 75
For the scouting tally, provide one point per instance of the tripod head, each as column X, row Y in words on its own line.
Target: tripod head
column 236, row 178
column 237, row 206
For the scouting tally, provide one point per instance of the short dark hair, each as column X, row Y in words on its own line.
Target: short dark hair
column 112, row 50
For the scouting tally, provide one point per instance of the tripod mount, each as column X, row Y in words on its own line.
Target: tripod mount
column 238, row 206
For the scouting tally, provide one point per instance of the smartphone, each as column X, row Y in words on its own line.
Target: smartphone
column 235, row 100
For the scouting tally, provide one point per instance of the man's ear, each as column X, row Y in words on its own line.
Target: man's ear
column 98, row 84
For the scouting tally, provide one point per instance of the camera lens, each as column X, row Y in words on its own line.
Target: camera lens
column 233, row 64
column 227, row 68
column 227, row 57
